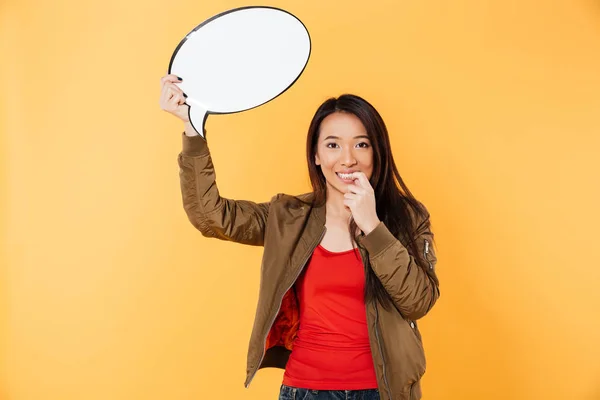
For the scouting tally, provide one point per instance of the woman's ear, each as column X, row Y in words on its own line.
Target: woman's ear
column 317, row 159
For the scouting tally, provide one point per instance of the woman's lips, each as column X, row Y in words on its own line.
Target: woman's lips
column 347, row 178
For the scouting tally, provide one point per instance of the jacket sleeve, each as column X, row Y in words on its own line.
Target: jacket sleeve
column 214, row 216
column 413, row 288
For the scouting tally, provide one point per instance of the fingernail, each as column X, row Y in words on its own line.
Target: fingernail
column 179, row 78
column 185, row 95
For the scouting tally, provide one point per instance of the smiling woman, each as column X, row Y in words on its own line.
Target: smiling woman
column 347, row 268
column 348, row 136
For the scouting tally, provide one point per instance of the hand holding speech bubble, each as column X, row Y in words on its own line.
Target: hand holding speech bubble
column 239, row 59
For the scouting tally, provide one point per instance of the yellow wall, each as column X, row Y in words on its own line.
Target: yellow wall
column 108, row 293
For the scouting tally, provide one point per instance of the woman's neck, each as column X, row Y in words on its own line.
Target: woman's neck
column 335, row 207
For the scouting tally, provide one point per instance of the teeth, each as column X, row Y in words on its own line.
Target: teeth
column 345, row 176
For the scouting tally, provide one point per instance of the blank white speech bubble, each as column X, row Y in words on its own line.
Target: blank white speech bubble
column 240, row 59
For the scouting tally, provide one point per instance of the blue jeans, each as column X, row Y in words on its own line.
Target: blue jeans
column 292, row 393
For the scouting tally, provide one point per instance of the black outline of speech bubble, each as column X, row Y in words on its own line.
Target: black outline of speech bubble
column 208, row 112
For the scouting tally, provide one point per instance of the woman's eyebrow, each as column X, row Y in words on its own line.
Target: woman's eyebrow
column 355, row 137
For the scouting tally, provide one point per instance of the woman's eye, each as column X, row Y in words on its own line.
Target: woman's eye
column 363, row 145
column 331, row 145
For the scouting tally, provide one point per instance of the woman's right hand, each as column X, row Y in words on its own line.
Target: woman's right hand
column 172, row 98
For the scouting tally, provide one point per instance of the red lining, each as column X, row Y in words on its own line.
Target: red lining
column 284, row 329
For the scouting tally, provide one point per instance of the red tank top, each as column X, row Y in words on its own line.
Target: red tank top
column 331, row 350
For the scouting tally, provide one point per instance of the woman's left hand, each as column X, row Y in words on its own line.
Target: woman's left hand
column 361, row 201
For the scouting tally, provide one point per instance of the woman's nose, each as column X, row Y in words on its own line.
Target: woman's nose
column 348, row 158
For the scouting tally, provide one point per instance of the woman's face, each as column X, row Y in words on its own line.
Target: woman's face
column 343, row 147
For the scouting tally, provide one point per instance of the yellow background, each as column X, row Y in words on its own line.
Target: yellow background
column 108, row 293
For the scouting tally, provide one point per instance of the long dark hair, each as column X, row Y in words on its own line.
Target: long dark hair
column 392, row 196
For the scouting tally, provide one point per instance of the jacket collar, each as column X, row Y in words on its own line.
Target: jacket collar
column 319, row 213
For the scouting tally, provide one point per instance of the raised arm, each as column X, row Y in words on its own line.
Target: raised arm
column 239, row 221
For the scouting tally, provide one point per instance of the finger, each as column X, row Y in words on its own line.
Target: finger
column 169, row 78
column 173, row 87
column 165, row 94
column 362, row 180
column 166, row 97
column 349, row 203
column 172, row 95
column 176, row 100
column 178, row 90
column 356, row 189
column 351, row 196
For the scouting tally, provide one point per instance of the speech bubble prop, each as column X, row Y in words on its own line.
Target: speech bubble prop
column 239, row 59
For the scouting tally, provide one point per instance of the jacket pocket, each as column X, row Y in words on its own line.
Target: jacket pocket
column 415, row 329
column 419, row 344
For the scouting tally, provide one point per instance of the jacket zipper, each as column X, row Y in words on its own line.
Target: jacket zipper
column 312, row 248
column 387, row 385
column 427, row 252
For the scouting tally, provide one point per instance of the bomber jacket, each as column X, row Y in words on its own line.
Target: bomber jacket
column 290, row 227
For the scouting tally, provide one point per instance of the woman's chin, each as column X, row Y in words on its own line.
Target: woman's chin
column 338, row 187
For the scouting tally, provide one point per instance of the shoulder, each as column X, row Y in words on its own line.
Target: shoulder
column 418, row 210
column 418, row 213
column 286, row 201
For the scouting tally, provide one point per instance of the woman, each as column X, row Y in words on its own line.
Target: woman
column 347, row 269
